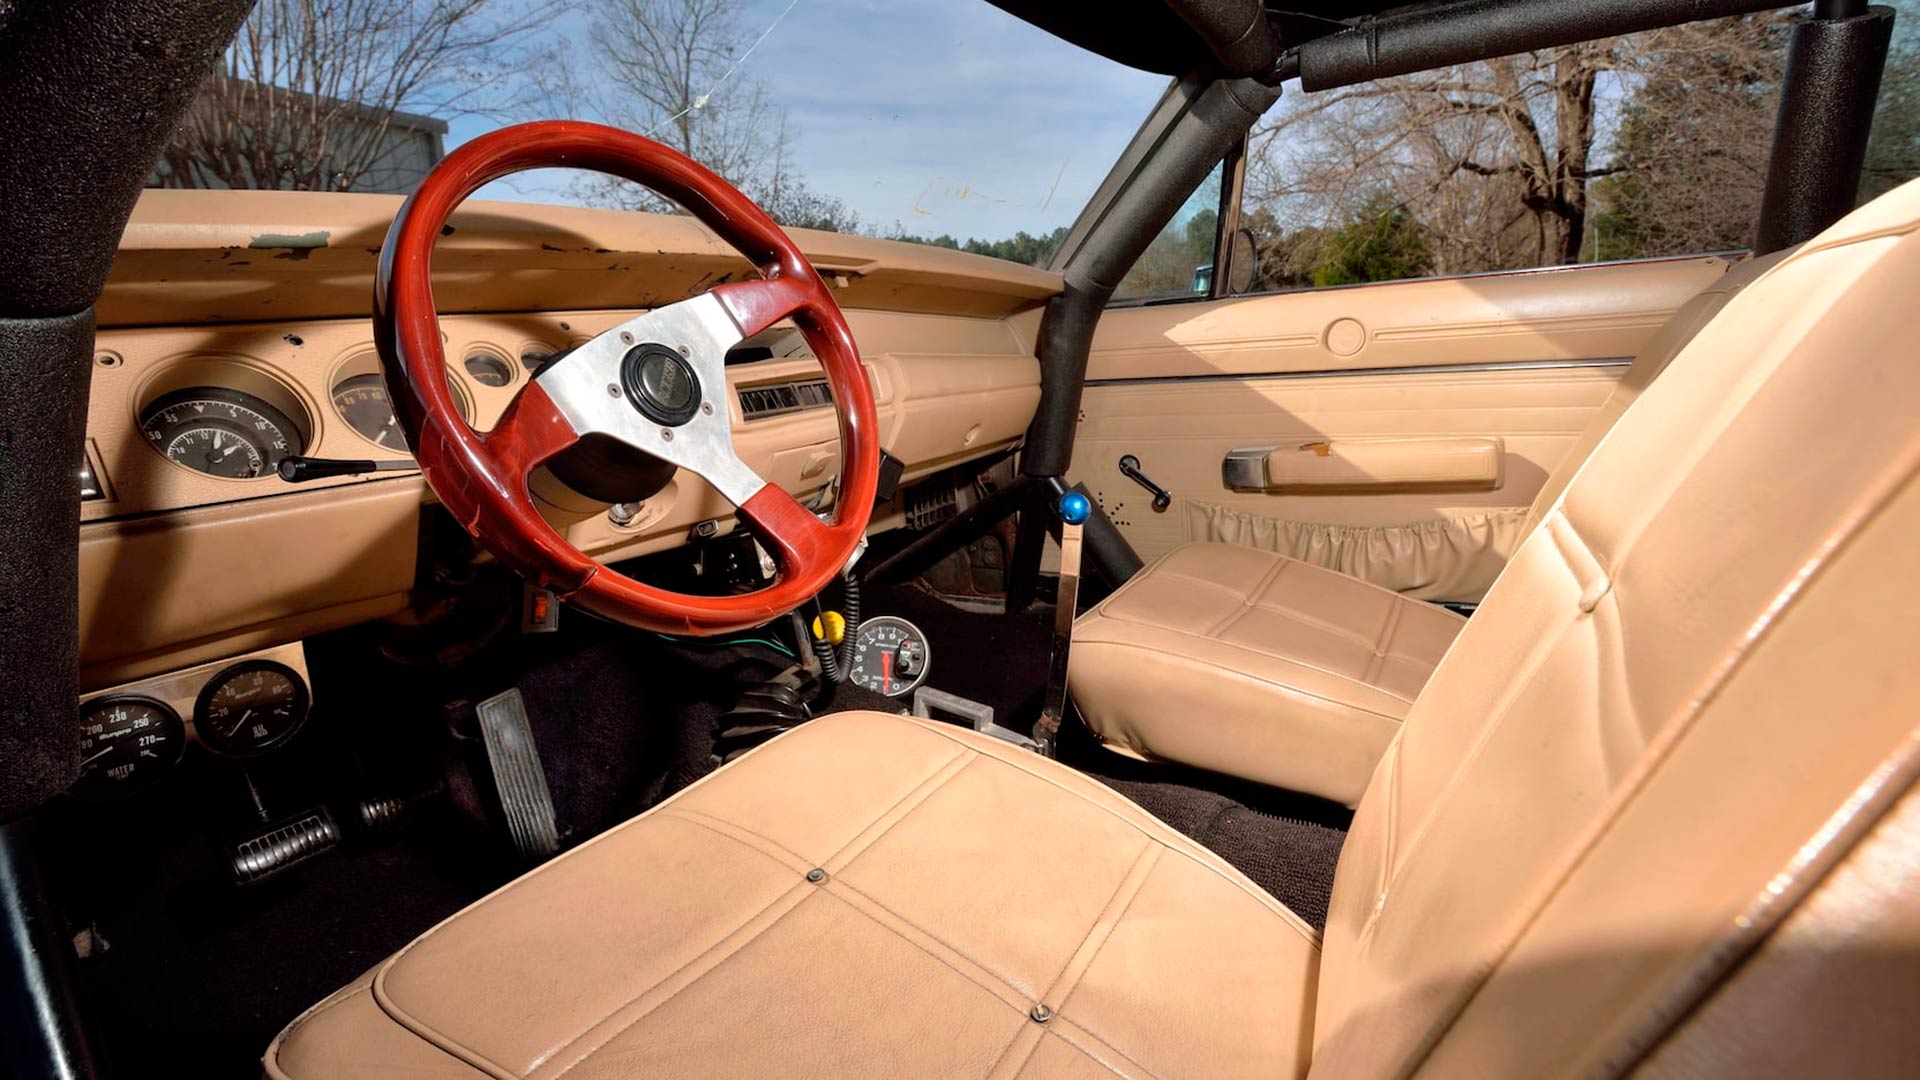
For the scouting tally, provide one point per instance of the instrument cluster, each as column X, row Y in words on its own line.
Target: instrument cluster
column 215, row 422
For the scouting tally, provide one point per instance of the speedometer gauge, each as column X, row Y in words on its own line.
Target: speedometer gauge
column 127, row 743
column 220, row 432
column 889, row 656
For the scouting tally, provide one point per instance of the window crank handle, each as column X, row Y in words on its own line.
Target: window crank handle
column 1130, row 468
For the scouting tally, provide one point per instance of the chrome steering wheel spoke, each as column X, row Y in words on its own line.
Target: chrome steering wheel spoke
column 658, row 383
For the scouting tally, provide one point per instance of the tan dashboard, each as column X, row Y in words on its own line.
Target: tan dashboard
column 192, row 548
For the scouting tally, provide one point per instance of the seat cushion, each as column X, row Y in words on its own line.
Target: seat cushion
column 869, row 895
column 1257, row 665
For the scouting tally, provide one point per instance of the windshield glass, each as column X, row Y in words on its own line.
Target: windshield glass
column 939, row 121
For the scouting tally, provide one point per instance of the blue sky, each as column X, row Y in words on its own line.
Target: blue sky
column 943, row 116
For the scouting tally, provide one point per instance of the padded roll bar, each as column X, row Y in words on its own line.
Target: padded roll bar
column 1469, row 30
column 1834, row 64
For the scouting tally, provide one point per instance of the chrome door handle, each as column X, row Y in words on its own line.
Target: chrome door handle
column 1130, row 468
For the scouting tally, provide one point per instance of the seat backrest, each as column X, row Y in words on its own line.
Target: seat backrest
column 1680, row 730
column 1647, row 365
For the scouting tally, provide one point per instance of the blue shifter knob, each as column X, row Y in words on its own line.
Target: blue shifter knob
column 1074, row 508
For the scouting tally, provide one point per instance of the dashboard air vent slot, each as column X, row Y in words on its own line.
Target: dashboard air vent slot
column 774, row 399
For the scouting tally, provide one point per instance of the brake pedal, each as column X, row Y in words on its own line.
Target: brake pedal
column 518, row 778
column 283, row 844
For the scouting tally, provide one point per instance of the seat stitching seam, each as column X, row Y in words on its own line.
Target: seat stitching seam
column 936, row 779
column 1082, row 1029
column 835, row 884
column 1299, row 925
column 712, row 823
column 1262, row 681
column 1060, row 992
column 325, row 1007
column 1381, row 644
column 713, row 826
column 1248, row 601
column 669, row 976
column 1066, row 997
column 1309, row 619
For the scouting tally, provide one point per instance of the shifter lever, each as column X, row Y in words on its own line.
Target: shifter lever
column 1074, row 509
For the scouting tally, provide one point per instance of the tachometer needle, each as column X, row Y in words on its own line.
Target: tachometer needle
column 886, row 672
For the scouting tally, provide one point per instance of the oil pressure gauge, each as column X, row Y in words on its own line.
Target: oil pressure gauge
column 889, row 656
column 250, row 708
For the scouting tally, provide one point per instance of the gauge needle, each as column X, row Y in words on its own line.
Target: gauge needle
column 886, row 672
column 242, row 720
column 96, row 757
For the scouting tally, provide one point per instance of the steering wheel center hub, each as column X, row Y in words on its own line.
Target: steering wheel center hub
column 661, row 384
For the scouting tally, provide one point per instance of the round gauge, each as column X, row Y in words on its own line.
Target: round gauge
column 889, row 656
column 488, row 369
column 127, row 744
column 535, row 357
column 250, row 708
column 363, row 403
column 220, row 432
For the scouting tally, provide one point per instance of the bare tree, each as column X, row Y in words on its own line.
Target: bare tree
column 1497, row 161
column 671, row 69
column 309, row 94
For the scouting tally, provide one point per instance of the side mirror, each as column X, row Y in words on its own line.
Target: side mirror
column 1243, row 263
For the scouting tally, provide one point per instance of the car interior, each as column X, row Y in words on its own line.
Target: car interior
column 506, row 638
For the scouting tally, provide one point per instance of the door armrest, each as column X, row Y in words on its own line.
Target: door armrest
column 1454, row 463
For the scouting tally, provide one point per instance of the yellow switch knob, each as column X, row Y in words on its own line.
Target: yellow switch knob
column 835, row 630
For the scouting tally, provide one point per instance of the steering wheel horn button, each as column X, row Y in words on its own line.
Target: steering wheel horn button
column 661, row 384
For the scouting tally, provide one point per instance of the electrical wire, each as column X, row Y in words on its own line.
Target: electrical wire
column 714, row 643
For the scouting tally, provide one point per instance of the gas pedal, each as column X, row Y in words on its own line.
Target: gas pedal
column 518, row 779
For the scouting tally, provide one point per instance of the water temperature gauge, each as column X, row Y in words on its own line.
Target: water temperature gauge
column 127, row 743
column 889, row 656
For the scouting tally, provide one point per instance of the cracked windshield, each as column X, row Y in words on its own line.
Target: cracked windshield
column 952, row 123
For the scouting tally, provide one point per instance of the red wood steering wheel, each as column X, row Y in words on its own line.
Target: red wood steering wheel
column 656, row 383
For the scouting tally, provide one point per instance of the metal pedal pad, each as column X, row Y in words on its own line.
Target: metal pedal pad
column 283, row 844
column 518, row 778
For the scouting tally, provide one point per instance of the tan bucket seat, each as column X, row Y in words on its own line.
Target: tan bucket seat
column 1263, row 666
column 1654, row 814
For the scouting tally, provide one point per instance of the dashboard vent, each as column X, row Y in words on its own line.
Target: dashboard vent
column 773, row 399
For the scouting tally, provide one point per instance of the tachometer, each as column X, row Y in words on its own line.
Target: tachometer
column 220, row 432
column 889, row 656
column 127, row 743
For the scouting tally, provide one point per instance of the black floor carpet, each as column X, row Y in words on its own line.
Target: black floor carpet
column 1287, row 844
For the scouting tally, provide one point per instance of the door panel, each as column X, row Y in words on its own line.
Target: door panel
column 1522, row 358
